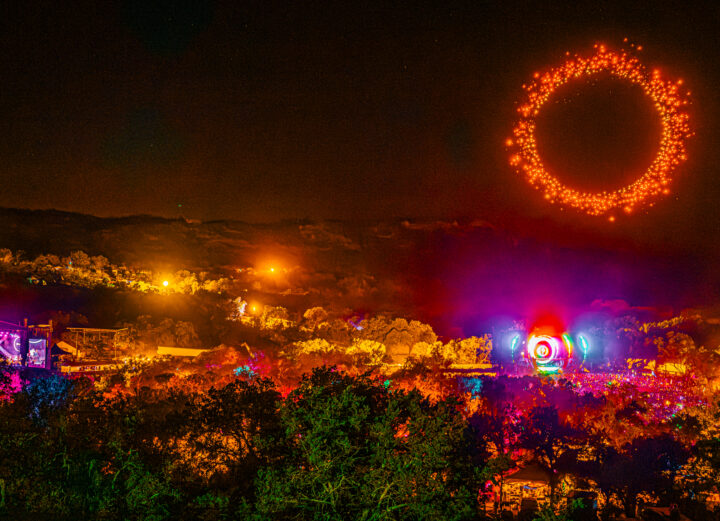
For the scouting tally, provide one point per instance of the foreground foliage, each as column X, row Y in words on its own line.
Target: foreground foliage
column 338, row 447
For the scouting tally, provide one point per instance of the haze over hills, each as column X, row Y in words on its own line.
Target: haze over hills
column 458, row 276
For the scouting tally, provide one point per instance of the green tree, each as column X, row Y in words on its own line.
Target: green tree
column 644, row 465
column 233, row 431
column 552, row 441
column 185, row 334
column 357, row 450
column 313, row 317
column 573, row 512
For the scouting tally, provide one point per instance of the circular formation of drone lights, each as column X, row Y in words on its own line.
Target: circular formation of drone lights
column 669, row 101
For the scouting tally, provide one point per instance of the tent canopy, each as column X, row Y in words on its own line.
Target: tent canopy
column 58, row 351
column 533, row 472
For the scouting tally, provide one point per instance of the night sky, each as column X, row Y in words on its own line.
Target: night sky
column 261, row 111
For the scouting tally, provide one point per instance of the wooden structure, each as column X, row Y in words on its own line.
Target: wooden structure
column 98, row 341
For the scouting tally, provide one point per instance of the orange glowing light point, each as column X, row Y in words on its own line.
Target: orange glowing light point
column 666, row 98
column 165, row 283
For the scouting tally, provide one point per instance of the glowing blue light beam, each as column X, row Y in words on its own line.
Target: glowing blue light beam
column 584, row 345
column 513, row 344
